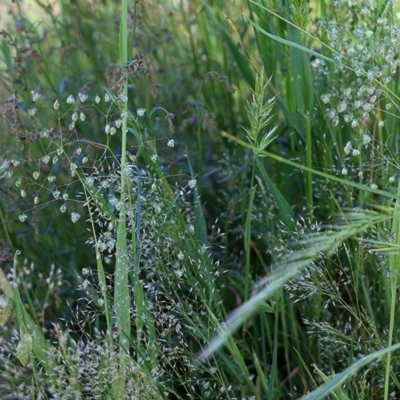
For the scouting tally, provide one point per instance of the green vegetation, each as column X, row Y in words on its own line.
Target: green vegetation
column 199, row 199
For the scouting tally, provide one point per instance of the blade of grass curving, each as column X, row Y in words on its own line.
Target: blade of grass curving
column 338, row 391
column 325, row 175
column 291, row 44
column 350, row 371
column 314, row 246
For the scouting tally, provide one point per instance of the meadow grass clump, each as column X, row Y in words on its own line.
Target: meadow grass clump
column 208, row 209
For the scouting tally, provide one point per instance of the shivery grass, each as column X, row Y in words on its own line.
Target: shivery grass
column 199, row 199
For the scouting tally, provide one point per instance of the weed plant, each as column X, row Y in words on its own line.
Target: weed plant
column 199, row 200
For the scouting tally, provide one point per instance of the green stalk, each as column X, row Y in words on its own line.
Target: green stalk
column 121, row 287
column 247, row 240
column 394, row 260
column 309, row 150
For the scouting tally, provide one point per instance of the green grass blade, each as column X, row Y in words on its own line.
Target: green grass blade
column 334, row 178
column 343, row 376
column 122, row 299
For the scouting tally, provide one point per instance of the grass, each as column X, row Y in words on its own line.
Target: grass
column 199, row 200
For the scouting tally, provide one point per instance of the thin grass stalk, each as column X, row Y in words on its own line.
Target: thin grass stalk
column 309, row 162
column 247, row 241
column 121, row 287
column 394, row 260
column 274, row 366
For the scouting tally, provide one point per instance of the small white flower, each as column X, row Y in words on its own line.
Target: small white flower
column 181, row 256
column 75, row 216
column 51, row 178
column 202, row 249
column 32, row 111
column 192, row 183
column 82, row 97
column 36, row 200
column 56, row 105
column 75, row 116
column 82, row 116
column 113, row 130
column 341, row 107
column 23, row 217
column 118, row 123
column 325, row 98
column 65, row 196
column 374, row 186
column 15, row 162
column 355, row 153
column 23, row 193
column 18, row 182
column 140, row 112
column 392, row 179
column 347, row 148
column 107, row 98
column 366, row 139
column 344, row 171
column 381, row 123
column 107, row 129
column 123, row 97
column 154, row 157
column 171, row 143
column 71, row 99
column 35, row 95
column 89, row 181
column 179, row 273
column 97, row 99
column 63, row 208
column 354, row 123
column 191, row 229
column 36, row 175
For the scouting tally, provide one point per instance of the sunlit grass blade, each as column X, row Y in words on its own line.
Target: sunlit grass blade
column 313, row 247
column 340, row 378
